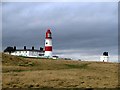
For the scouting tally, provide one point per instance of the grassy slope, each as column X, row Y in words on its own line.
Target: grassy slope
column 29, row 72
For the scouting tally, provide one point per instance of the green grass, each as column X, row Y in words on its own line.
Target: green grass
column 77, row 66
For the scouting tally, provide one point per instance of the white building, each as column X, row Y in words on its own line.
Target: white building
column 25, row 52
column 28, row 53
column 104, row 57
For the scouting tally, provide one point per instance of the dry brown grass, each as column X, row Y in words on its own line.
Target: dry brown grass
column 40, row 73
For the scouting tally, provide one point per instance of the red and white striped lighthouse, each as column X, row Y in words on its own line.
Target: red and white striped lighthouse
column 48, row 44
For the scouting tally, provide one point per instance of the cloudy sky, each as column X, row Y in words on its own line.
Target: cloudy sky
column 81, row 30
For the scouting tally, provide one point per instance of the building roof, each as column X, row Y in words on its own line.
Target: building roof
column 29, row 50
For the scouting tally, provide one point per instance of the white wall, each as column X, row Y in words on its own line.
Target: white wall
column 27, row 53
column 104, row 58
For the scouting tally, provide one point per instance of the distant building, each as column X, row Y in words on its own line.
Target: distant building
column 104, row 57
column 24, row 52
column 55, row 57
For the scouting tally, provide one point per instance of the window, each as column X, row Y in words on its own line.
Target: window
column 49, row 35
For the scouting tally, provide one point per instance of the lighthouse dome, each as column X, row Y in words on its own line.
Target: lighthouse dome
column 48, row 34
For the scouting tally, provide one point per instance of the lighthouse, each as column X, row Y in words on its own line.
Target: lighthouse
column 104, row 57
column 48, row 44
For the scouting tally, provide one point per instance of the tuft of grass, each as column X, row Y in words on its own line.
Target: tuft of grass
column 26, row 64
column 77, row 66
column 17, row 70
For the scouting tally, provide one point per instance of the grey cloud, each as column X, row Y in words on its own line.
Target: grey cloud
column 81, row 26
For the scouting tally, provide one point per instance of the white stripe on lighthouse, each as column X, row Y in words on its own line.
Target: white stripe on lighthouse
column 48, row 42
column 48, row 53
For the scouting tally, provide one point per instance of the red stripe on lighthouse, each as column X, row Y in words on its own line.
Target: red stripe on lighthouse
column 48, row 48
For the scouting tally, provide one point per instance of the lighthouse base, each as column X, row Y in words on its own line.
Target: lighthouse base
column 48, row 54
column 104, row 58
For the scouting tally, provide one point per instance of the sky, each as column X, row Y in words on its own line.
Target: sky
column 81, row 30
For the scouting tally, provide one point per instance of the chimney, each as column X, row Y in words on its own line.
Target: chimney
column 14, row 48
column 32, row 47
column 41, row 49
column 24, row 47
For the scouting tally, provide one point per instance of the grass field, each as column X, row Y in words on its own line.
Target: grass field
column 19, row 72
